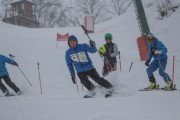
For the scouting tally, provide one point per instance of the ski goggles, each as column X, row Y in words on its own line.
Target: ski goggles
column 149, row 37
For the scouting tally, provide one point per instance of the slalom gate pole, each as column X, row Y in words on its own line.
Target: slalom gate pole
column 130, row 66
column 173, row 69
column 39, row 78
column 82, row 86
column 12, row 56
column 77, row 85
column 119, row 60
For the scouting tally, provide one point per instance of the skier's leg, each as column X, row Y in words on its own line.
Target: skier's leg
column 2, row 87
column 162, row 73
column 101, row 81
column 11, row 84
column 151, row 68
column 105, row 71
column 114, row 66
column 85, row 81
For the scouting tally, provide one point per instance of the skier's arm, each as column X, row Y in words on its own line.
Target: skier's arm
column 115, row 53
column 90, row 49
column 69, row 64
column 149, row 53
column 162, row 48
column 9, row 61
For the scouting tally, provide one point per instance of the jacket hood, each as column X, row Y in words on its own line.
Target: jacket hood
column 72, row 37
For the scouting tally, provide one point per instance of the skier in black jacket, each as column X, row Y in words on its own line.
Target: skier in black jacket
column 109, row 51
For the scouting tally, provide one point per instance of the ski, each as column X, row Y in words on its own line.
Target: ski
column 146, row 89
column 87, row 96
column 8, row 95
column 172, row 89
column 108, row 95
column 160, row 89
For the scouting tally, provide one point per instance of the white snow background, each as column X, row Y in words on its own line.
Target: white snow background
column 60, row 99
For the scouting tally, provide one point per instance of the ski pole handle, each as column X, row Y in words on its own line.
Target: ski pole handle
column 12, row 56
column 85, row 30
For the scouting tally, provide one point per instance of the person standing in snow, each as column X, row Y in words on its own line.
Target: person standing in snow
column 5, row 75
column 77, row 57
column 109, row 51
column 157, row 50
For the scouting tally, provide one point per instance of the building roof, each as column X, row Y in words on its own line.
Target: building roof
column 21, row 1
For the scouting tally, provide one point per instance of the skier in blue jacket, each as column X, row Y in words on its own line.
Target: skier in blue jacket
column 5, row 75
column 77, row 57
column 157, row 50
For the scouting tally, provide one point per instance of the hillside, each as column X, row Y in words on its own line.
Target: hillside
column 60, row 99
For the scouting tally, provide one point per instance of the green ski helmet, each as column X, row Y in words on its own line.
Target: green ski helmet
column 108, row 36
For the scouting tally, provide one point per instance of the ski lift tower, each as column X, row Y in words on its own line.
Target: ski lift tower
column 141, row 17
column 144, row 29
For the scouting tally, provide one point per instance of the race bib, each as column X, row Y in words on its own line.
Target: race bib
column 79, row 57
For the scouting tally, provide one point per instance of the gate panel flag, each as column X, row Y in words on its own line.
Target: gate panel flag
column 62, row 37
column 143, row 50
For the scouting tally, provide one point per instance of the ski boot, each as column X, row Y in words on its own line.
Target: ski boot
column 152, row 86
column 7, row 93
column 90, row 94
column 109, row 92
column 169, row 86
column 19, row 92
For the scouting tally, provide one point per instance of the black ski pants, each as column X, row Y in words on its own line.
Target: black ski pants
column 83, row 76
column 107, row 68
column 9, row 83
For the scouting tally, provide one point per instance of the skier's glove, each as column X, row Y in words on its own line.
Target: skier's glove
column 92, row 43
column 73, row 79
column 157, row 52
column 15, row 63
column 147, row 63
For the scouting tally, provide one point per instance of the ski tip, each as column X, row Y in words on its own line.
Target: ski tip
column 87, row 96
column 108, row 95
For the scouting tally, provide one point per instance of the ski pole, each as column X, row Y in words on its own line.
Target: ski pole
column 119, row 60
column 130, row 66
column 173, row 69
column 39, row 78
column 12, row 56
column 77, row 85
column 86, row 32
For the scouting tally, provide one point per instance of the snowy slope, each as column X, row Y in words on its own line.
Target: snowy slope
column 60, row 99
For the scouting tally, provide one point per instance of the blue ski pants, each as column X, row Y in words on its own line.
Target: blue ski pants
column 161, row 64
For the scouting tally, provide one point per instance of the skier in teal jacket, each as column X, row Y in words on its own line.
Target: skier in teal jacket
column 5, row 75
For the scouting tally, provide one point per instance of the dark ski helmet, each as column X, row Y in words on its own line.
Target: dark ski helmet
column 72, row 38
column 108, row 36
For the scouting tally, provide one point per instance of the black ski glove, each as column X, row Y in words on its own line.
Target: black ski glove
column 73, row 79
column 147, row 62
column 15, row 63
column 92, row 43
column 107, row 54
